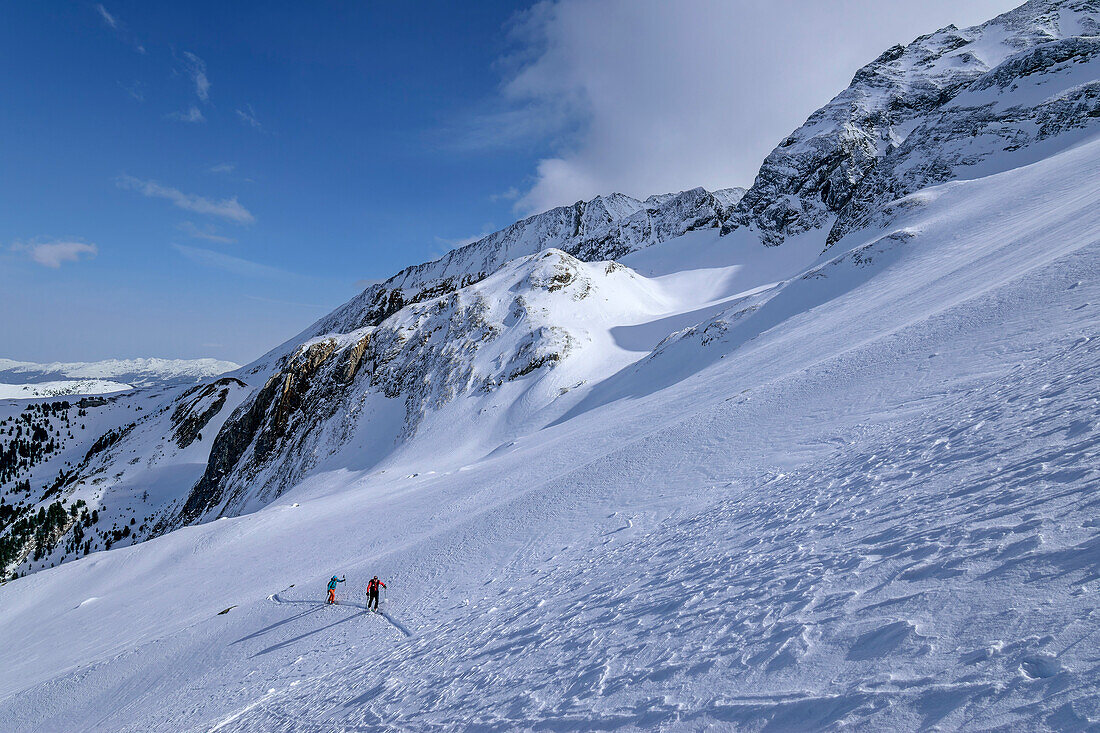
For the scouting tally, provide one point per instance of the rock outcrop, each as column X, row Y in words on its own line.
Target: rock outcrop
column 605, row 228
column 1041, row 95
column 197, row 406
column 503, row 309
column 840, row 163
column 471, row 341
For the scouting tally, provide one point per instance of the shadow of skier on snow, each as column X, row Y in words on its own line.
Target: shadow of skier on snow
column 288, row 642
column 381, row 612
column 396, row 624
column 277, row 624
column 384, row 614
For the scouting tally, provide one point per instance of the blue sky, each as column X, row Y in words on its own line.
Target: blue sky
column 206, row 179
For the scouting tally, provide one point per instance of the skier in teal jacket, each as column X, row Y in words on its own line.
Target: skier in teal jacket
column 332, row 588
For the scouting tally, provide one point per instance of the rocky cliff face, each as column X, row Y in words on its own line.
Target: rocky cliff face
column 1045, row 96
column 607, row 227
column 196, row 407
column 944, row 106
column 517, row 323
column 508, row 311
column 862, row 148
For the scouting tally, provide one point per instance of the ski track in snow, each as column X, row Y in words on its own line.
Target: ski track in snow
column 278, row 598
column 801, row 585
column 934, row 565
column 871, row 500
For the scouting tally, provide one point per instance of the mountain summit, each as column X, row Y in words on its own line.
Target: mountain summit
column 815, row 455
column 909, row 119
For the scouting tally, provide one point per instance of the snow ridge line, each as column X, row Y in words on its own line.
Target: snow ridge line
column 234, row 716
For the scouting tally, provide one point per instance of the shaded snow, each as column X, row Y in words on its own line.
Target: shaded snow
column 878, row 510
column 713, row 484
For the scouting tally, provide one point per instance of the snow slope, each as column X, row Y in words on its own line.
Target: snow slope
column 848, row 480
column 879, row 510
column 606, row 227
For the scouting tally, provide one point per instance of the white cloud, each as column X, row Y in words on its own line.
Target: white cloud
column 111, row 21
column 192, row 115
column 248, row 117
column 223, row 168
column 135, row 90
column 509, row 195
column 229, row 209
column 229, row 263
column 107, row 17
column 207, row 233
column 197, row 68
column 486, row 230
column 646, row 97
column 52, row 254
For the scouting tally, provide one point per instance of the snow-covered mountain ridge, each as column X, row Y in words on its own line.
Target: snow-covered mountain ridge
column 909, row 118
column 60, row 388
column 607, row 227
column 372, row 329
column 668, row 478
column 134, row 372
column 533, row 314
column 309, row 399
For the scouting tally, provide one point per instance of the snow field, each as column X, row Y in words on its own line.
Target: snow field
column 871, row 501
column 62, row 388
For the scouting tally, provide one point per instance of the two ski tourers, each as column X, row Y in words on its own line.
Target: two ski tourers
column 372, row 592
column 332, row 588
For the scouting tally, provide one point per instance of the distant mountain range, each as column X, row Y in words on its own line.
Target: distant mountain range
column 28, row 379
column 813, row 455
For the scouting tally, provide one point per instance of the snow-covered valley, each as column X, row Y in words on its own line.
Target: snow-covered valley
column 27, row 380
column 672, row 479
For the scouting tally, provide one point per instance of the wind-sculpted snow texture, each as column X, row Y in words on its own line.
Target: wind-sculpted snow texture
column 918, row 113
column 879, row 512
column 827, row 596
column 621, row 471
